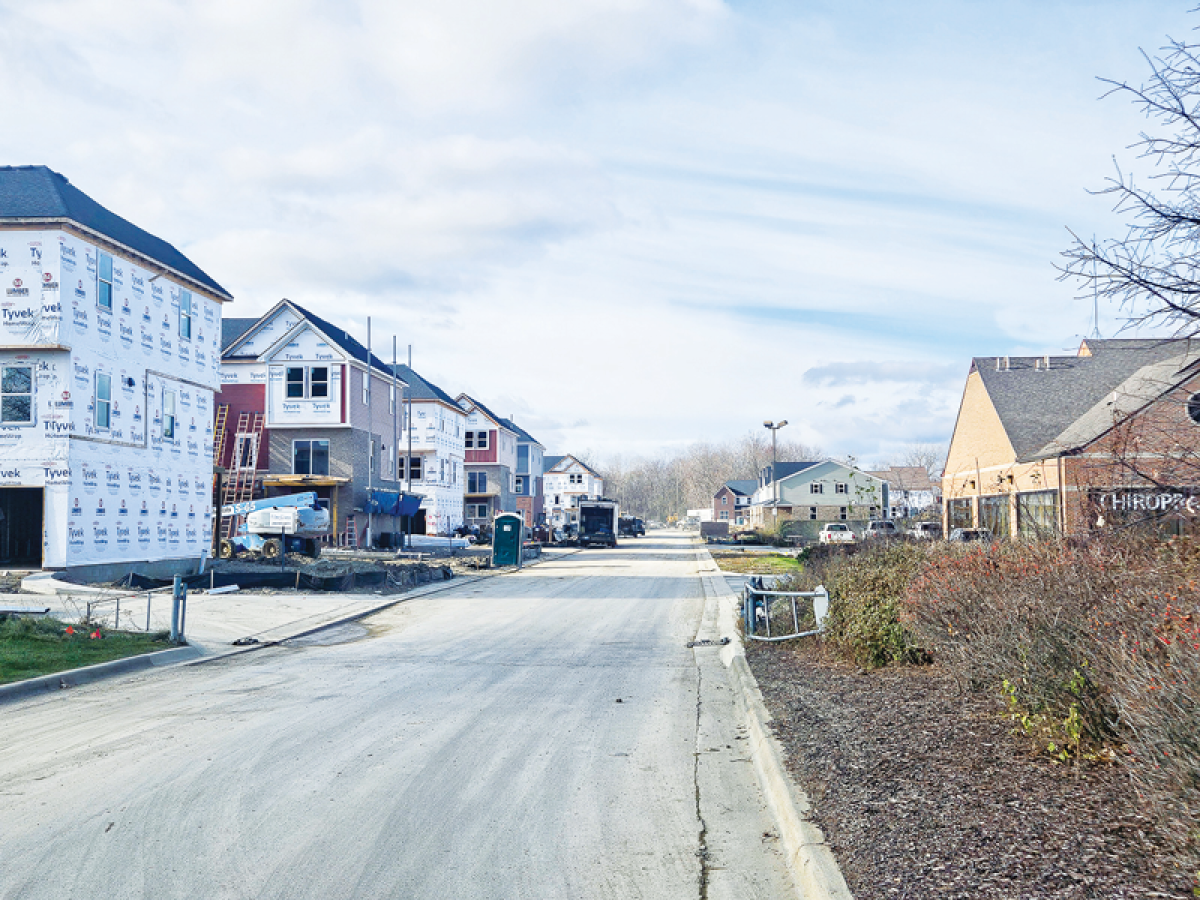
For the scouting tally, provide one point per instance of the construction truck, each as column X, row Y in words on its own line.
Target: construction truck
column 598, row 522
column 276, row 525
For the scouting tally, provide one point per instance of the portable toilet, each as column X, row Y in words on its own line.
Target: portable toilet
column 508, row 540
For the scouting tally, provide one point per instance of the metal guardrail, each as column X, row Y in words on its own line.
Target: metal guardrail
column 756, row 611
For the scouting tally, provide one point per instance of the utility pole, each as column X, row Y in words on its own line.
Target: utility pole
column 397, row 409
column 370, row 437
column 774, row 427
column 408, row 428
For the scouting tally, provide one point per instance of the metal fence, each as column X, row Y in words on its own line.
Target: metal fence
column 768, row 615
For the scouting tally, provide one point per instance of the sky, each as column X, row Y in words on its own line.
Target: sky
column 631, row 225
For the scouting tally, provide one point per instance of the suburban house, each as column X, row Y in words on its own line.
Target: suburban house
column 528, row 482
column 1065, row 444
column 911, row 491
column 491, row 464
column 567, row 481
column 732, row 500
column 816, row 493
column 301, row 410
column 109, row 360
column 436, row 465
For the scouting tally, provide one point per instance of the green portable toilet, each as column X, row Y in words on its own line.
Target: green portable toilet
column 508, row 540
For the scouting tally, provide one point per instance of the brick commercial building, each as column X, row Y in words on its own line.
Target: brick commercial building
column 1066, row 444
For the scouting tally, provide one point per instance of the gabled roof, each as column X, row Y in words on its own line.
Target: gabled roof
column 38, row 194
column 742, row 486
column 554, row 462
column 467, row 402
column 339, row 336
column 780, row 470
column 906, row 478
column 522, row 435
column 232, row 329
column 1040, row 406
column 421, row 388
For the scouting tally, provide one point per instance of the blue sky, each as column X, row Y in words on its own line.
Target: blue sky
column 631, row 224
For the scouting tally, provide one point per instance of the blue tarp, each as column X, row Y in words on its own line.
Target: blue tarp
column 392, row 503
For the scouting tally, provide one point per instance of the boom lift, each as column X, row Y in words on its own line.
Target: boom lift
column 276, row 525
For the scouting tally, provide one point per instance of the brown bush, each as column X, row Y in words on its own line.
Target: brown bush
column 1094, row 647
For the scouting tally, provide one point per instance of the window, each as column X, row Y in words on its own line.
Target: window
column 841, row 488
column 520, row 486
column 812, row 512
column 842, row 513
column 185, row 315
column 993, row 514
column 1037, row 513
column 557, row 502
column 816, row 488
column 575, row 479
column 311, row 382
column 724, row 517
column 310, row 457
column 104, row 291
column 103, row 399
column 476, row 482
column 295, row 382
column 168, row 419
column 1193, row 408
column 477, row 510
column 16, row 395
column 725, row 501
column 414, row 468
column 960, row 514
column 477, row 440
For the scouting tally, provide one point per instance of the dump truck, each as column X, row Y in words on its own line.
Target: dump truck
column 275, row 525
column 598, row 522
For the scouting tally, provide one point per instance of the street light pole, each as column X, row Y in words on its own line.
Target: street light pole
column 774, row 427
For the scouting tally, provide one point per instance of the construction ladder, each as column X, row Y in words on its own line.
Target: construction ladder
column 243, row 467
column 350, row 535
column 219, row 433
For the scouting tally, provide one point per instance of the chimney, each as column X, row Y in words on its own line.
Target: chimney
column 1047, row 362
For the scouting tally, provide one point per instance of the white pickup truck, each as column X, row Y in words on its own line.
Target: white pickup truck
column 836, row 533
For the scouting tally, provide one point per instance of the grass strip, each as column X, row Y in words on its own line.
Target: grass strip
column 33, row 646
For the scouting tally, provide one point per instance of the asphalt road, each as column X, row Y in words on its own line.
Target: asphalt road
column 545, row 734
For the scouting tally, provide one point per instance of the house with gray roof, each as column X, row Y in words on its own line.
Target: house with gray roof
column 731, row 500
column 1048, row 444
column 109, row 363
column 490, row 451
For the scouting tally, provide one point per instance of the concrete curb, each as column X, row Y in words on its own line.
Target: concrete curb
column 58, row 681
column 809, row 858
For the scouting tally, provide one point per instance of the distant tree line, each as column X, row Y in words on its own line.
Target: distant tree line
column 661, row 487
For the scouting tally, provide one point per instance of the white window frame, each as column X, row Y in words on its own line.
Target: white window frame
column 103, row 402
column 30, row 394
column 185, row 314
column 101, row 283
column 841, row 487
column 168, row 415
column 816, row 488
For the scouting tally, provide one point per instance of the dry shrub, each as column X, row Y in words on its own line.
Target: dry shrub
column 1094, row 646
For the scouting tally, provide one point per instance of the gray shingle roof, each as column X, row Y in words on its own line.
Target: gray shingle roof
column 421, row 388
column 1040, row 407
column 339, row 336
column 782, row 470
column 522, row 434
column 499, row 420
column 39, row 193
column 232, row 329
column 742, row 486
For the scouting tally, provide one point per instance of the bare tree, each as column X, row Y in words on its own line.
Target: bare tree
column 1151, row 271
column 930, row 457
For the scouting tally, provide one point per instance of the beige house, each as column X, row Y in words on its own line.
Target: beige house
column 1053, row 444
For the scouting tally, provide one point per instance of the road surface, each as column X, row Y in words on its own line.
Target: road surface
column 544, row 734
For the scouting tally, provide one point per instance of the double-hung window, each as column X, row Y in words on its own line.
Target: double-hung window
column 185, row 315
column 104, row 285
column 103, row 400
column 816, row 488
column 306, row 382
column 414, row 468
column 16, row 395
column 310, row 457
column 477, row 440
column 841, row 487
column 520, row 485
column 168, row 416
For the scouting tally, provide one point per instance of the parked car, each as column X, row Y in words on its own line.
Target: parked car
column 929, row 531
column 881, row 528
column 963, row 535
column 836, row 533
